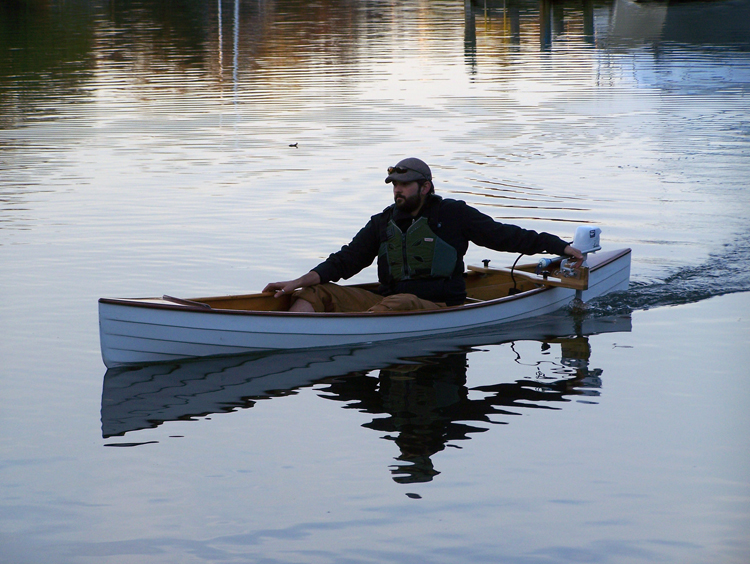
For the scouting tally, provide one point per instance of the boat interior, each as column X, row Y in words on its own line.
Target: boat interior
column 482, row 284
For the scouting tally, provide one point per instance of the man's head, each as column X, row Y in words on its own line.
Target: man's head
column 412, row 184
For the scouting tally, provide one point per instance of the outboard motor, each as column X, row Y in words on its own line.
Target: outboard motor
column 586, row 239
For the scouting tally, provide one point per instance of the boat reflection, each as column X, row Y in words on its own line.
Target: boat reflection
column 417, row 389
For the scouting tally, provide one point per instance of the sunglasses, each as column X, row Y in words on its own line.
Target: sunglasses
column 401, row 170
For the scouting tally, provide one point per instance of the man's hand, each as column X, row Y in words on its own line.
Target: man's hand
column 289, row 286
column 281, row 288
column 573, row 252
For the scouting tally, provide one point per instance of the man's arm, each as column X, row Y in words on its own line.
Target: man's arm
column 485, row 231
column 352, row 258
column 347, row 262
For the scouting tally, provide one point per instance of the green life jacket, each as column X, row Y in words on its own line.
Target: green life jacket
column 418, row 253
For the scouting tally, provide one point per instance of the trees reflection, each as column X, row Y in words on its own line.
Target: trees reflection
column 55, row 50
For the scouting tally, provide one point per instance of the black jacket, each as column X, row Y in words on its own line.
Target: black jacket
column 453, row 221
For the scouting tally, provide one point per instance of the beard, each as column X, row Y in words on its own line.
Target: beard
column 410, row 204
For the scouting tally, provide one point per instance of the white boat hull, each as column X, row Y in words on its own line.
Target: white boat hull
column 134, row 332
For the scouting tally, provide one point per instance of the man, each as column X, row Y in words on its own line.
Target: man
column 420, row 242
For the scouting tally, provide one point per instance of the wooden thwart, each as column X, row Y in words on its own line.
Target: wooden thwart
column 578, row 282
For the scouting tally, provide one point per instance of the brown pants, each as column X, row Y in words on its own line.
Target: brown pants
column 334, row 298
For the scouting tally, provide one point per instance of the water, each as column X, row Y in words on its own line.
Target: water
column 197, row 148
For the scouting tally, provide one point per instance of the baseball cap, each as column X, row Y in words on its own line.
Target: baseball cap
column 409, row 170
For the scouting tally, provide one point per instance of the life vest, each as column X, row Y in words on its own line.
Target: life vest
column 418, row 253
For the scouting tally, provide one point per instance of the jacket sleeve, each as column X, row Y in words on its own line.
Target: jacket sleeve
column 485, row 231
column 352, row 258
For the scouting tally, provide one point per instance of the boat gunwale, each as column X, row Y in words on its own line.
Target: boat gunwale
column 138, row 303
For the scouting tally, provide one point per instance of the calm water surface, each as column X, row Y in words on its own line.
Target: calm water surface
column 198, row 148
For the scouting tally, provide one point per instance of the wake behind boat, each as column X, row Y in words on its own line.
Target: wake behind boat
column 147, row 330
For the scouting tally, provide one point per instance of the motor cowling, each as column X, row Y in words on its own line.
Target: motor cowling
column 586, row 239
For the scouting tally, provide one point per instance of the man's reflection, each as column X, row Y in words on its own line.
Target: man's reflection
column 426, row 405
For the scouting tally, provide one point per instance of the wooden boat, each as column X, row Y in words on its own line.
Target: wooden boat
column 148, row 330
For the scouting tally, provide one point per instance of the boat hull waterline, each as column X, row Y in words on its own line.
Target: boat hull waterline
column 134, row 331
